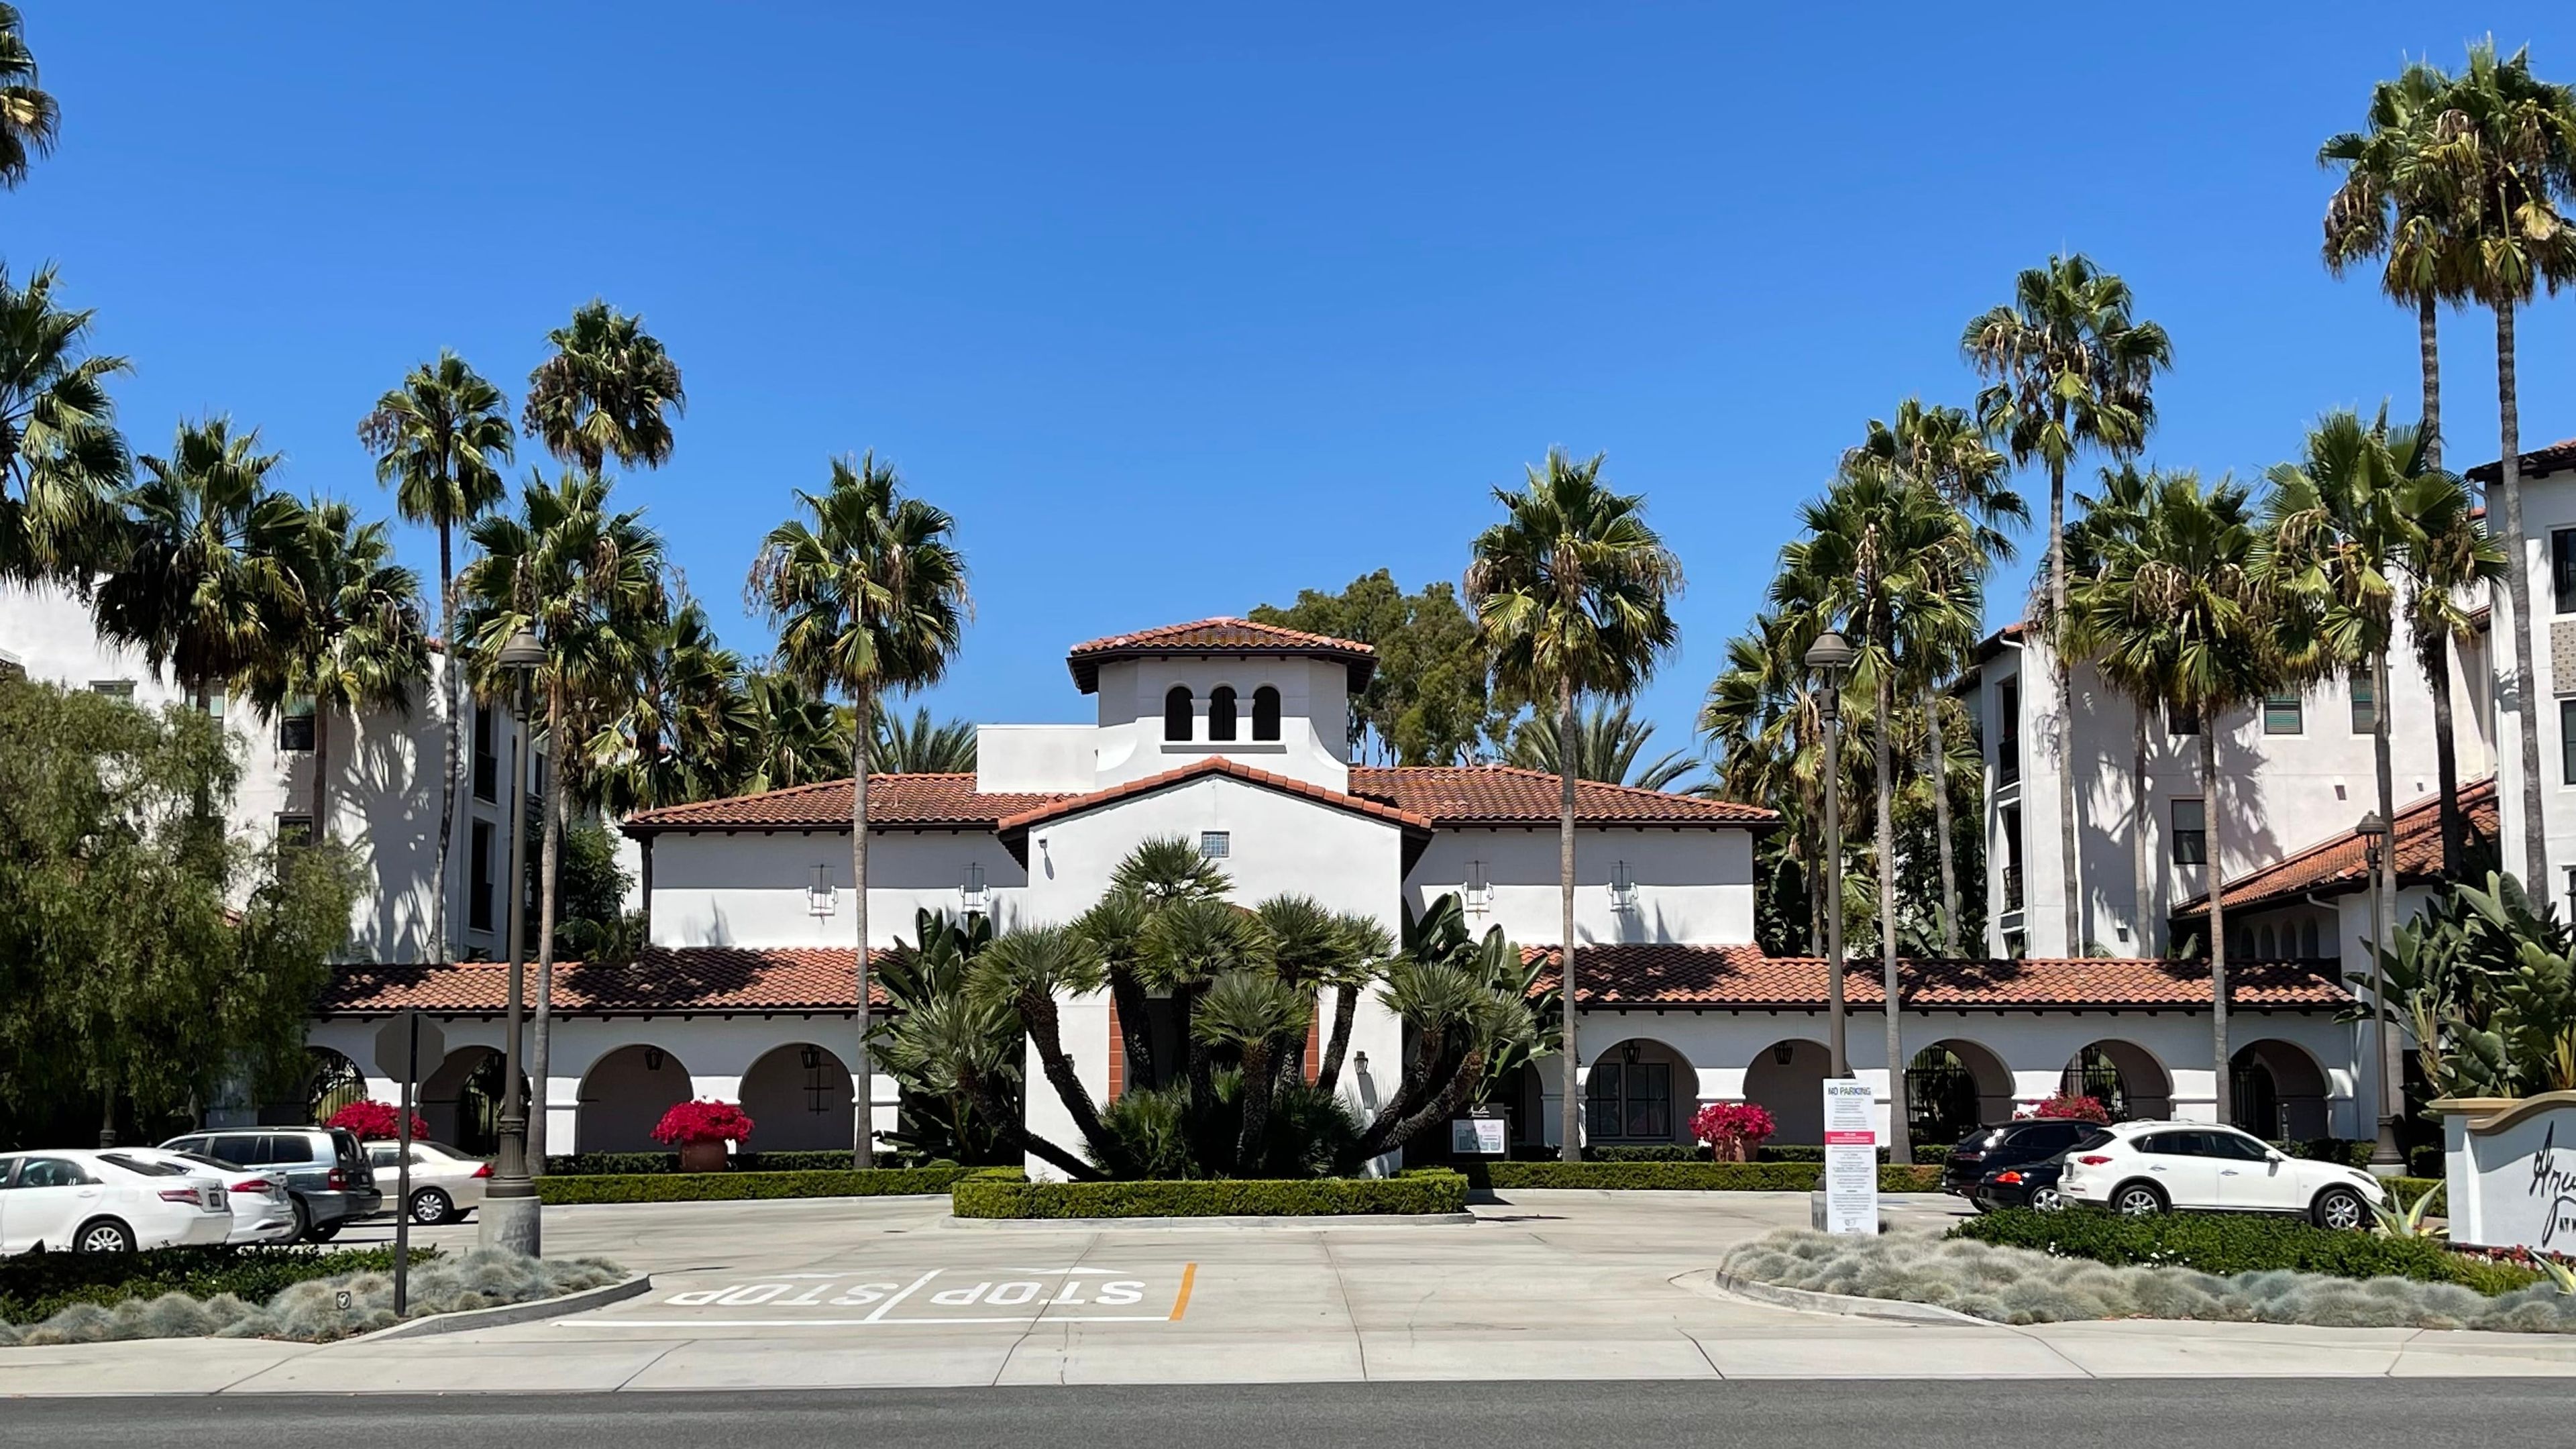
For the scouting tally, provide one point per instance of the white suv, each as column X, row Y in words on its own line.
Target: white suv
column 2152, row 1167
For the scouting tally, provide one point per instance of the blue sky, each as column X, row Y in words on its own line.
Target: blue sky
column 1181, row 308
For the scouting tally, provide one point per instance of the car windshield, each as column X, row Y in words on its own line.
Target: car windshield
column 143, row 1166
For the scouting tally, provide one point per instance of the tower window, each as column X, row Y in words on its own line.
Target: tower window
column 1221, row 714
column 1176, row 713
column 1265, row 713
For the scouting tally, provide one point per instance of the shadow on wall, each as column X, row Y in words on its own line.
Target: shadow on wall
column 624, row 1096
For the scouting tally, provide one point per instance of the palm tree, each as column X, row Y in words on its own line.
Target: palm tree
column 1024, row 971
column 2504, row 151
column 1253, row 1012
column 1761, row 720
column 869, row 597
column 2449, row 559
column 2392, row 207
column 357, row 641
column 2112, row 517
column 605, row 393
column 687, row 729
column 439, row 440
column 2179, row 601
column 1572, row 594
column 1607, row 747
column 62, row 462
column 796, row 736
column 921, row 747
column 204, row 584
column 2071, row 368
column 28, row 117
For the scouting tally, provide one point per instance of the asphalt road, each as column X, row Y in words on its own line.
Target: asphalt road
column 2131, row 1414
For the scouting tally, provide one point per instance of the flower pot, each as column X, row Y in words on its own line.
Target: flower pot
column 1735, row 1149
column 702, row 1157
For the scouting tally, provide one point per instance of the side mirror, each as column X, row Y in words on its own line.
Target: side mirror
column 2275, row 1156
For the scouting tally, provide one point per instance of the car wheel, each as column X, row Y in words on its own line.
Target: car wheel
column 2340, row 1208
column 104, row 1235
column 430, row 1207
column 2138, row 1200
column 325, row 1232
column 1980, row 1204
column 2047, row 1200
column 303, row 1222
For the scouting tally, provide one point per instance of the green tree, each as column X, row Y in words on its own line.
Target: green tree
column 2393, row 206
column 592, row 923
column 1608, row 747
column 29, row 119
column 607, row 391
column 1023, row 971
column 869, row 597
column 797, row 737
column 1428, row 703
column 919, row 747
column 1572, row 593
column 2070, row 368
column 2112, row 518
column 62, row 461
column 439, row 440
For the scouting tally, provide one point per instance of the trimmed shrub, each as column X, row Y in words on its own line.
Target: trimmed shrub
column 736, row 1186
column 592, row 1164
column 2228, row 1243
column 38, row 1285
column 2427, row 1161
column 2347, row 1151
column 1678, row 1152
column 1698, row 1176
column 310, row 1311
column 1934, row 1154
column 1435, row 1190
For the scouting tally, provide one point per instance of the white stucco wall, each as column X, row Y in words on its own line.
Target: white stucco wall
column 753, row 888
column 1037, row 758
column 1314, row 717
column 1693, row 886
column 2548, row 505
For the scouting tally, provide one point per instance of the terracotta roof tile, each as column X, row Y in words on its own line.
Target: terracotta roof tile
column 704, row 978
column 2554, row 458
column 2336, row 865
column 893, row 800
column 1214, row 765
column 1218, row 636
column 1612, row 976
column 1508, row 795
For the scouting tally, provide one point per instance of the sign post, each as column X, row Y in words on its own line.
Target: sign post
column 1483, row 1134
column 401, row 1045
column 1849, row 1203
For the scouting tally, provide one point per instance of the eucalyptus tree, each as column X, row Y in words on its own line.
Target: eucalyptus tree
column 868, row 593
column 2178, row 604
column 1572, row 593
column 2070, row 367
column 608, row 390
column 2395, row 206
column 62, row 461
column 439, row 440
column 29, row 119
column 1609, row 746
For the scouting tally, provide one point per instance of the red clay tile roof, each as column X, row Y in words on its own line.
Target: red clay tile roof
column 2555, row 458
column 893, row 800
column 1218, row 636
column 1609, row 977
column 2336, row 865
column 1060, row 807
column 1507, row 795
column 698, row 978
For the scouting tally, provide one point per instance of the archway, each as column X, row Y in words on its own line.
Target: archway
column 623, row 1097
column 1639, row 1091
column 2278, row 1091
column 798, row 1098
column 461, row 1101
column 331, row 1082
column 1954, row 1087
column 1788, row 1078
column 2123, row 1076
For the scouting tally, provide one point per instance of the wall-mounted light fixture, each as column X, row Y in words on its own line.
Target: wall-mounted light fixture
column 1628, row 1052
column 1783, row 1052
column 1359, row 1063
column 812, row 1057
column 972, row 898
column 653, row 1059
column 1623, row 887
column 819, row 897
column 1480, row 889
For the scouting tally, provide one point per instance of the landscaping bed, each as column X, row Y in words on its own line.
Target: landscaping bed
column 738, row 1186
column 627, row 1164
column 1672, row 1176
column 2234, row 1243
column 1411, row 1194
column 36, row 1286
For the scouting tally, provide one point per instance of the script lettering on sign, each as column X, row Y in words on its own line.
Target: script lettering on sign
column 2553, row 1187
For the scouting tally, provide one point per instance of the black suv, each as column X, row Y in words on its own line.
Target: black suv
column 2010, row 1145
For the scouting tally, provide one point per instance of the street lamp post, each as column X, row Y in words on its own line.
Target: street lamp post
column 510, row 1209
column 2385, row 1158
column 1828, row 657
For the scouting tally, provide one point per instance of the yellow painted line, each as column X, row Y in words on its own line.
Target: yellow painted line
column 1181, row 1303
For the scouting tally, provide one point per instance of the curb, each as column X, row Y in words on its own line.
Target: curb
column 505, row 1314
column 1718, row 1283
column 1324, row 1223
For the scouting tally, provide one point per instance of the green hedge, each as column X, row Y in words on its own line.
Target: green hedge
column 1413, row 1193
column 733, row 1186
column 2237, row 1243
column 2402, row 1191
column 36, row 1286
column 1697, row 1176
column 625, row 1164
column 1679, row 1152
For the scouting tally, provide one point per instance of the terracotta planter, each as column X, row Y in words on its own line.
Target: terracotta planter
column 702, row 1157
column 1737, row 1150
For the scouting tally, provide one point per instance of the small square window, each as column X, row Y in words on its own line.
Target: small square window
column 2562, row 569
column 2180, row 720
column 1215, row 844
column 112, row 688
column 2190, row 833
column 2284, row 714
column 2365, row 703
column 2567, row 740
column 294, row 830
column 295, row 725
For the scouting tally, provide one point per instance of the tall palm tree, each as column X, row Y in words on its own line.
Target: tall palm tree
column 204, row 585
column 921, row 747
column 1572, row 593
column 62, row 461
column 2505, row 153
column 2179, row 601
column 869, row 596
column 2394, row 207
column 1761, row 721
column 439, row 441
column 2111, row 518
column 2450, row 560
column 608, row 391
column 2070, row 368
column 1609, row 746
column 797, row 737
column 357, row 641
column 28, row 116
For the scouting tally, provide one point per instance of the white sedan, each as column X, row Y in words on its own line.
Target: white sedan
column 446, row 1183
column 2138, row 1168
column 106, row 1201
column 263, row 1209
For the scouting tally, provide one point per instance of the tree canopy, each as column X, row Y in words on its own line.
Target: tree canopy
column 1429, row 702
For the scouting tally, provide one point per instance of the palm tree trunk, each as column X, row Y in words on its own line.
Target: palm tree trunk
column 1940, row 777
column 2213, row 823
column 1570, row 1119
column 2068, row 883
column 321, row 806
column 1259, row 1081
column 2435, row 656
column 863, row 705
column 1337, row 1043
column 1008, row 1126
column 1038, row 1014
column 2139, row 892
column 1900, row 1146
column 1394, row 1133
column 541, row 1038
column 2526, row 688
column 2379, row 713
column 450, row 677
column 2427, row 341
column 1135, row 1030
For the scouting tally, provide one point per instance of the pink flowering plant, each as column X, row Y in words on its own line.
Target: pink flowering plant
column 1733, row 1130
column 2071, row 1107
column 702, row 1122
column 376, row 1121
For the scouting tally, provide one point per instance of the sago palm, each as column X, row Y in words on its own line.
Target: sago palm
column 1025, row 970
column 29, row 119
column 62, row 461
column 1572, row 593
column 1255, row 1013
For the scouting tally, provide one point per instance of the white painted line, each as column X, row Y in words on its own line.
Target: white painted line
column 851, row 1322
column 913, row 1288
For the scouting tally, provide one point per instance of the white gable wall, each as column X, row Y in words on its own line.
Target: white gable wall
column 1693, row 886
column 753, row 888
column 1314, row 717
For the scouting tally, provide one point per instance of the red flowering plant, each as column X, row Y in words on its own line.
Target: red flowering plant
column 376, row 1121
column 2071, row 1107
column 1733, row 1130
column 692, row 1122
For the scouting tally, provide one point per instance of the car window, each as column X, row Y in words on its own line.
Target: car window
column 2237, row 1147
column 2166, row 1144
column 345, row 1143
column 383, row 1154
column 143, row 1166
column 8, row 1166
column 2088, row 1139
column 51, row 1172
column 293, row 1147
column 241, row 1150
column 206, row 1160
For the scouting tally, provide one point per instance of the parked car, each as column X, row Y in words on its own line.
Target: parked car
column 325, row 1170
column 446, row 1182
column 2028, row 1184
column 2152, row 1167
column 263, row 1210
column 106, row 1201
column 1983, row 1152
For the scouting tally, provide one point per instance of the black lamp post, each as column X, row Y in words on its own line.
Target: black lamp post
column 510, row 1210
column 2385, row 1158
column 1828, row 658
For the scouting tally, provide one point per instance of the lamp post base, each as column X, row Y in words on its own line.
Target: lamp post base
column 510, row 1223
column 2385, row 1158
